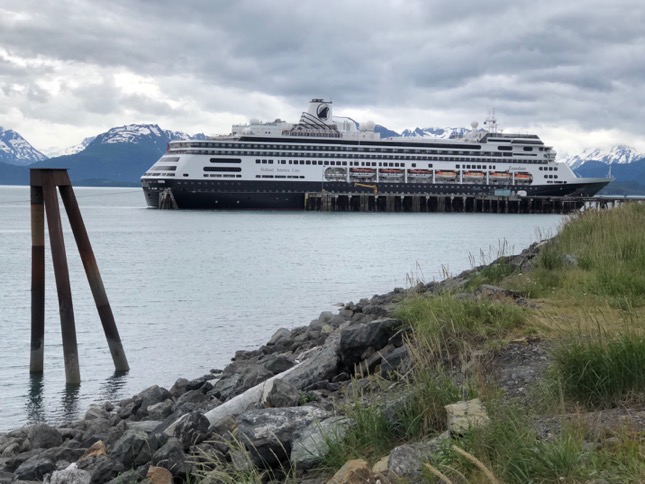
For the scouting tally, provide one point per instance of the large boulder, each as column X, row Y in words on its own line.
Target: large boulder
column 171, row 456
column 268, row 433
column 356, row 339
column 135, row 448
column 191, row 429
column 312, row 443
column 35, row 469
column 43, row 436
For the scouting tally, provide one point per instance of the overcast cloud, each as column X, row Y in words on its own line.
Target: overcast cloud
column 571, row 71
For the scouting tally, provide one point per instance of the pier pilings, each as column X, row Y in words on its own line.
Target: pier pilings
column 387, row 202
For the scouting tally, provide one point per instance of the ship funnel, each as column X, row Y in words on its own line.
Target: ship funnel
column 321, row 110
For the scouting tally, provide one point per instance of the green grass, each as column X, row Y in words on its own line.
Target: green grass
column 445, row 326
column 598, row 252
column 508, row 446
column 417, row 413
column 601, row 371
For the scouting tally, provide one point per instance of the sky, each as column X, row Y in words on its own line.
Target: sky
column 571, row 71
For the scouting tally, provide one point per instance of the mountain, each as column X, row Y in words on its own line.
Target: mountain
column 117, row 157
column 72, row 150
column 623, row 163
column 15, row 150
column 434, row 133
column 617, row 155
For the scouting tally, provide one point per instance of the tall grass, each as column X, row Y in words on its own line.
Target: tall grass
column 509, row 447
column 597, row 252
column 599, row 370
column 446, row 327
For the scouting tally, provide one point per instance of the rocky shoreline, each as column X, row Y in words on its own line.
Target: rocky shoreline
column 271, row 407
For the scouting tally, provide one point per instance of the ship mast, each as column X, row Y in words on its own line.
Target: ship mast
column 491, row 121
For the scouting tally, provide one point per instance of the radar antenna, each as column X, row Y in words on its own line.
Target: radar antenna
column 491, row 121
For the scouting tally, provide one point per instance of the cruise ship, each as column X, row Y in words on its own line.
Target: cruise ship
column 273, row 165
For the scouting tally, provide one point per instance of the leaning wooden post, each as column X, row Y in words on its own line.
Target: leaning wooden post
column 61, row 274
column 37, row 280
column 94, row 277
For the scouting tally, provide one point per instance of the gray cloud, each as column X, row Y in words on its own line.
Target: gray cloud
column 575, row 63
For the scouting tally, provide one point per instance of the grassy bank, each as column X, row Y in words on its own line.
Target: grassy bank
column 584, row 295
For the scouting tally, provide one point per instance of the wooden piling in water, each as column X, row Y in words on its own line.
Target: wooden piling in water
column 45, row 200
column 37, row 280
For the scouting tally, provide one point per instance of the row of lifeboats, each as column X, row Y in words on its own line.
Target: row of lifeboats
column 426, row 175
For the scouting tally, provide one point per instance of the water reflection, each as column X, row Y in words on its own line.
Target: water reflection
column 70, row 402
column 35, row 407
column 112, row 388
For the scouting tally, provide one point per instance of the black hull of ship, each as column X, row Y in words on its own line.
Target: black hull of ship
column 263, row 195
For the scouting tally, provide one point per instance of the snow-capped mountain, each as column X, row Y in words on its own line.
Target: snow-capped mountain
column 445, row 133
column 133, row 133
column 617, row 155
column 72, row 149
column 117, row 156
column 16, row 150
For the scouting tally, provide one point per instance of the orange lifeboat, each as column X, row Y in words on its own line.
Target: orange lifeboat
column 474, row 176
column 445, row 175
column 523, row 177
column 390, row 173
column 419, row 174
column 362, row 173
column 500, row 177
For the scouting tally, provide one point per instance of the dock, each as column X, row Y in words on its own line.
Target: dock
column 375, row 202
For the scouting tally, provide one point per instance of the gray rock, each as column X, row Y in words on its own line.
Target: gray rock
column 171, row 456
column 43, row 436
column 486, row 291
column 396, row 361
column 283, row 394
column 465, row 415
column 95, row 411
column 70, row 452
column 320, row 366
column 148, row 426
column 11, row 449
column 135, row 448
column 127, row 477
column 268, row 433
column 34, row 469
column 408, row 460
column 312, row 444
column 71, row 475
column 191, row 429
column 161, row 410
column 277, row 363
column 279, row 336
column 151, row 396
column 13, row 462
column 355, row 339
column 102, row 469
column 95, row 427
column 179, row 388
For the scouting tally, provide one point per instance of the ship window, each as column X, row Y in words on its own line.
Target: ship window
column 528, row 148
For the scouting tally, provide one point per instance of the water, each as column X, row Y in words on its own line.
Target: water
column 188, row 289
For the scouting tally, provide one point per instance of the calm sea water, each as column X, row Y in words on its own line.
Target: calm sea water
column 188, row 289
